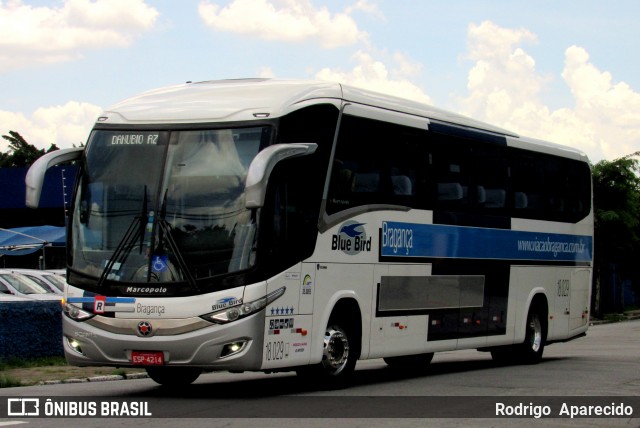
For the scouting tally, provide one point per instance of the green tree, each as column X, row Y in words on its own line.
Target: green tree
column 616, row 200
column 21, row 153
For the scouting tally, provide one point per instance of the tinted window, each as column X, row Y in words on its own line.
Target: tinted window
column 550, row 188
column 379, row 163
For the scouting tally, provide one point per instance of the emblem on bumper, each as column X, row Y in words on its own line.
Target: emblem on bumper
column 145, row 329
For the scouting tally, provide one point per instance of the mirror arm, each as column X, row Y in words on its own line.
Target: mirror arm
column 262, row 165
column 35, row 176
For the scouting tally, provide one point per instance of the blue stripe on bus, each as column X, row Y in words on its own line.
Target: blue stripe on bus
column 107, row 300
column 441, row 241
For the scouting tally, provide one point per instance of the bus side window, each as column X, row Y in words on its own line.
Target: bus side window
column 455, row 188
column 366, row 182
column 402, row 185
column 450, row 192
column 549, row 188
column 292, row 214
column 342, row 178
column 378, row 163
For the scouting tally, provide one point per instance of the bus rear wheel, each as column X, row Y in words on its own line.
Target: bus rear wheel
column 174, row 376
column 530, row 351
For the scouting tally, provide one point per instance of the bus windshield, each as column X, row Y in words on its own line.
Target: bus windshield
column 164, row 205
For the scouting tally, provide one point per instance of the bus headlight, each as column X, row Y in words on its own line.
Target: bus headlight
column 244, row 309
column 75, row 313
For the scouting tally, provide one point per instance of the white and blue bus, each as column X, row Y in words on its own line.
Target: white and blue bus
column 266, row 225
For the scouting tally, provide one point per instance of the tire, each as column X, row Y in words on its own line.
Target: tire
column 174, row 376
column 530, row 351
column 410, row 362
column 338, row 353
column 341, row 350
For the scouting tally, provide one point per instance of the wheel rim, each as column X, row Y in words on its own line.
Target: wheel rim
column 336, row 350
column 535, row 332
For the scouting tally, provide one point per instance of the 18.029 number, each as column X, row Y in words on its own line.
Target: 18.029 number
column 275, row 350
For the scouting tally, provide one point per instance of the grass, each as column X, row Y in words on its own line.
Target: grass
column 615, row 317
column 19, row 363
column 8, row 381
column 120, row 372
column 19, row 372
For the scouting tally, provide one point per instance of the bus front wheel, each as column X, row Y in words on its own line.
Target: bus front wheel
column 174, row 376
column 340, row 352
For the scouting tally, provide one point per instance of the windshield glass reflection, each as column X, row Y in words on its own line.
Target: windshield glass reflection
column 165, row 206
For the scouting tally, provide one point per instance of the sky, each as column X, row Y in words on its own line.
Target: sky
column 563, row 71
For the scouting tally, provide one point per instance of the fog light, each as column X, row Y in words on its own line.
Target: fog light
column 75, row 345
column 232, row 348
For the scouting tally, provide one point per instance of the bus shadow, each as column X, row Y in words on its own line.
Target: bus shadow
column 289, row 384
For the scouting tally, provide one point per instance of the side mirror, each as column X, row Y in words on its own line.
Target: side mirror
column 262, row 165
column 35, row 175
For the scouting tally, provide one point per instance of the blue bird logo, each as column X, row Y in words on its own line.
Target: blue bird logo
column 350, row 230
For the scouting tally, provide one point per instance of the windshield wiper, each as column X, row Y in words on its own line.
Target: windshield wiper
column 165, row 231
column 136, row 228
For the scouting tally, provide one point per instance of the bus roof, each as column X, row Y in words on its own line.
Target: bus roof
column 247, row 99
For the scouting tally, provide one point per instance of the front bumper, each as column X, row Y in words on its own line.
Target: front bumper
column 203, row 347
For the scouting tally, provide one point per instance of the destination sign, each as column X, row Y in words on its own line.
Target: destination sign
column 149, row 139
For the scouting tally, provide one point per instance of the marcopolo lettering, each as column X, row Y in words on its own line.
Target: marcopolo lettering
column 146, row 290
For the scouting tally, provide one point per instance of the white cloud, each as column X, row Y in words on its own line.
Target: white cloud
column 505, row 89
column 613, row 109
column 63, row 125
column 406, row 66
column 488, row 40
column 265, row 72
column 285, row 20
column 36, row 35
column 503, row 76
column 365, row 6
column 373, row 74
column 13, row 122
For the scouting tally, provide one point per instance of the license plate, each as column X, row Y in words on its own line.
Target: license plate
column 147, row 358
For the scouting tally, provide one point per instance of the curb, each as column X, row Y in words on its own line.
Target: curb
column 634, row 316
column 95, row 379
